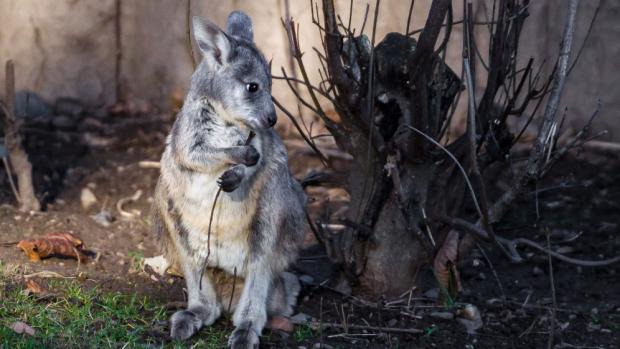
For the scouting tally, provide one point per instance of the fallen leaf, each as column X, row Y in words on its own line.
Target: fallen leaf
column 21, row 327
column 470, row 318
column 445, row 265
column 159, row 264
column 33, row 287
column 281, row 323
column 58, row 243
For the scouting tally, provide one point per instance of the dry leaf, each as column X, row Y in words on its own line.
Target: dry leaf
column 470, row 318
column 281, row 323
column 21, row 327
column 57, row 243
column 159, row 264
column 445, row 265
column 33, row 287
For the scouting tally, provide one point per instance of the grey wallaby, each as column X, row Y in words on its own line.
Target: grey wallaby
column 259, row 217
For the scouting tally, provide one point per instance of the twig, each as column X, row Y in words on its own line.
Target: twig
column 9, row 175
column 310, row 143
column 553, row 297
column 13, row 143
column 217, row 195
column 512, row 244
column 499, row 282
column 119, row 51
column 188, row 21
column 473, row 158
column 458, row 164
column 317, row 325
column 120, row 203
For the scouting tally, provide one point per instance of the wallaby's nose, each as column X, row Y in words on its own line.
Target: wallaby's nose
column 271, row 119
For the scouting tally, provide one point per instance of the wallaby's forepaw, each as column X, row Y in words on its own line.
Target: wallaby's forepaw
column 251, row 156
column 231, row 178
column 244, row 337
column 184, row 324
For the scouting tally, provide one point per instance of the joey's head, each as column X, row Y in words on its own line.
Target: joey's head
column 233, row 75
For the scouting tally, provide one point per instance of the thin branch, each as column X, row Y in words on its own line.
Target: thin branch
column 456, row 161
column 409, row 15
column 514, row 243
column 188, row 22
column 323, row 158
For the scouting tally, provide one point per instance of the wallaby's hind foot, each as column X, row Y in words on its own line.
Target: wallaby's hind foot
column 244, row 337
column 184, row 324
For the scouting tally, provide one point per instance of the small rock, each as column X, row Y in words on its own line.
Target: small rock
column 63, row 122
column 433, row 293
column 300, row 318
column 21, row 327
column 537, row 271
column 31, row 104
column 442, row 315
column 88, row 198
column 306, row 279
column 482, row 276
column 392, row 322
column 470, row 318
column 104, row 218
column 322, row 346
column 68, row 106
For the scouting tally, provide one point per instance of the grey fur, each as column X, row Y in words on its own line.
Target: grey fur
column 259, row 219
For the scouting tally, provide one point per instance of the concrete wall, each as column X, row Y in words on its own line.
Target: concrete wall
column 67, row 47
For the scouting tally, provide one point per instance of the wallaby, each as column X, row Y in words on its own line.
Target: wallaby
column 259, row 220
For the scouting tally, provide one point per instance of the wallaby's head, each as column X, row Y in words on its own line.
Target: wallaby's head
column 233, row 75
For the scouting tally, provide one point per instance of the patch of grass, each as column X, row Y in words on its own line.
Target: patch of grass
column 303, row 333
column 77, row 316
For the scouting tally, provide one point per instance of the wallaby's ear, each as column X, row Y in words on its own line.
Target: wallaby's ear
column 211, row 40
column 239, row 24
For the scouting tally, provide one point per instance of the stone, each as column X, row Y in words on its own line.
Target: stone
column 88, row 198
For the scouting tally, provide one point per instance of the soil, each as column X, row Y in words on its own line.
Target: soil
column 577, row 205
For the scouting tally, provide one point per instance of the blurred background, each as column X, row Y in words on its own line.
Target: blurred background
column 137, row 52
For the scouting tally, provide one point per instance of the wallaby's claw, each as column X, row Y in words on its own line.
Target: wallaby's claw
column 231, row 179
column 244, row 337
column 251, row 156
column 184, row 324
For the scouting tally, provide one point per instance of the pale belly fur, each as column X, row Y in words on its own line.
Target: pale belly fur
column 228, row 245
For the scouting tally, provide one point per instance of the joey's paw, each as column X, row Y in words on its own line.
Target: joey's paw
column 244, row 337
column 231, row 179
column 251, row 156
column 184, row 324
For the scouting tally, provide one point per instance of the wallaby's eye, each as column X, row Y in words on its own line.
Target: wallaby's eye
column 251, row 87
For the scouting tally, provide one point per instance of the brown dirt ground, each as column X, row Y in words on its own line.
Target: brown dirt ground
column 588, row 298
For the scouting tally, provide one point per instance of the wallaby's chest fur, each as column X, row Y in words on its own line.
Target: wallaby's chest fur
column 191, row 196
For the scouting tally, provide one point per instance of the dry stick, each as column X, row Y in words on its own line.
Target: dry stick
column 190, row 47
column 454, row 159
column 512, row 244
column 119, row 51
column 323, row 158
column 475, row 169
column 234, row 283
column 217, row 195
column 9, row 175
column 346, row 327
column 499, row 283
column 409, row 15
column 13, row 143
column 553, row 297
